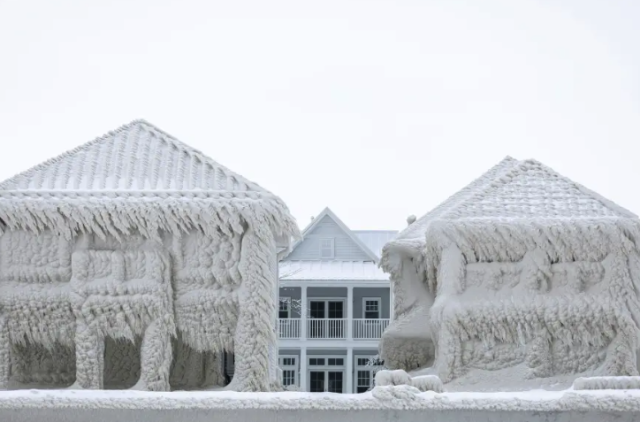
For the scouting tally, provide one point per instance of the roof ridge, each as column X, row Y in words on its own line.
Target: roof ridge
column 504, row 178
column 65, row 154
column 13, row 183
column 458, row 196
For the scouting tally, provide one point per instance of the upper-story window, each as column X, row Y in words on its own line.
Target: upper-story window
column 284, row 311
column 371, row 308
column 327, row 249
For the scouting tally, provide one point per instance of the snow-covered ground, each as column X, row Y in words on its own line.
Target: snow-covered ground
column 400, row 397
column 507, row 379
column 382, row 404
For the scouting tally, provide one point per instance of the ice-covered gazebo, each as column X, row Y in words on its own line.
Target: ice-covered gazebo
column 521, row 267
column 135, row 260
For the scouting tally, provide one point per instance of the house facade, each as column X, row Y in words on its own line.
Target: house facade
column 334, row 305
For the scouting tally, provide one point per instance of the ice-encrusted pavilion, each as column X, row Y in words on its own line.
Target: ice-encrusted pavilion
column 521, row 267
column 135, row 260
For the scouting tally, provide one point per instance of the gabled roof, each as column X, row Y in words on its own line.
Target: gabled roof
column 135, row 157
column 138, row 178
column 328, row 213
column 375, row 239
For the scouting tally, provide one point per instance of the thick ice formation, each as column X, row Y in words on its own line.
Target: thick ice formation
column 522, row 266
column 135, row 261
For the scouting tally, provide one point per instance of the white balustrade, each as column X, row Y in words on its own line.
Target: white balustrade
column 289, row 328
column 327, row 329
column 330, row 329
column 369, row 329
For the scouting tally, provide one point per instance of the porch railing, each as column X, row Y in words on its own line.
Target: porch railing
column 289, row 328
column 332, row 329
column 369, row 329
column 326, row 329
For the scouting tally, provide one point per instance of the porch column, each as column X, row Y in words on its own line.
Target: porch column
column 350, row 312
column 349, row 389
column 303, row 312
column 303, row 369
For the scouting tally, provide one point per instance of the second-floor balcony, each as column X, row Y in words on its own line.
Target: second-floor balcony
column 332, row 328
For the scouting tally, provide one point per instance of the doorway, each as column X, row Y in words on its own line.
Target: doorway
column 326, row 381
column 326, row 318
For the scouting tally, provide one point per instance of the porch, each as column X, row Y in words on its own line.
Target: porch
column 324, row 311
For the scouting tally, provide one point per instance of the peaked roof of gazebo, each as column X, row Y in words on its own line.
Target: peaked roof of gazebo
column 530, row 190
column 137, row 177
column 135, row 157
column 513, row 202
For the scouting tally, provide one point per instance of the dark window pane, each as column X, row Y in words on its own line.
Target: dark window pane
column 335, row 382
column 336, row 310
column 288, row 377
column 316, row 309
column 316, row 379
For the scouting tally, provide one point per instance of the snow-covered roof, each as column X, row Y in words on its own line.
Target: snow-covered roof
column 137, row 177
column 331, row 270
column 530, row 190
column 417, row 229
column 509, row 206
column 135, row 157
column 375, row 239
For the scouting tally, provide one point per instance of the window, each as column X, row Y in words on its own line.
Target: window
column 364, row 381
column 326, row 248
column 288, row 377
column 316, row 361
column 366, row 368
column 335, row 362
column 371, row 308
column 284, row 311
column 289, row 367
column 288, row 361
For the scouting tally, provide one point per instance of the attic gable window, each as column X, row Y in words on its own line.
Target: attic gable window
column 327, row 248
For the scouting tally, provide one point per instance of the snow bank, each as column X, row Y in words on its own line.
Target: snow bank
column 405, row 397
column 427, row 383
column 398, row 377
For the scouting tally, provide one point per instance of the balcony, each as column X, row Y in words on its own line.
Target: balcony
column 332, row 329
column 369, row 329
column 289, row 329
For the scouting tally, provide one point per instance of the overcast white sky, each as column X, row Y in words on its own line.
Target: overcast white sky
column 377, row 109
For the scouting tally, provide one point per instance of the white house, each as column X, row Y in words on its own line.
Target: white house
column 136, row 261
column 522, row 268
column 334, row 307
